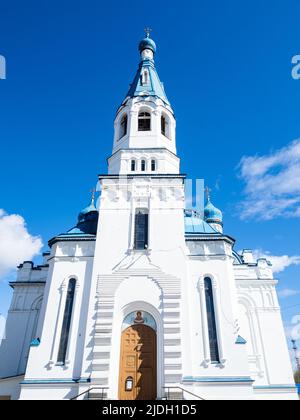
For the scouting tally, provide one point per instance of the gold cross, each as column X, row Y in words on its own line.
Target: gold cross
column 148, row 31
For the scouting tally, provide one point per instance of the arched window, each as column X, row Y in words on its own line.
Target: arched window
column 211, row 321
column 64, row 337
column 143, row 165
column 145, row 77
column 144, row 123
column 163, row 125
column 141, row 229
column 153, row 165
column 133, row 165
column 123, row 126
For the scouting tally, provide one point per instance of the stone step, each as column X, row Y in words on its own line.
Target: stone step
column 103, row 330
column 172, row 361
column 171, row 321
column 172, row 330
column 172, row 355
column 172, row 379
column 99, row 370
column 101, row 357
column 171, row 369
column 104, row 314
column 99, row 365
column 172, row 349
column 99, row 380
column 97, row 396
column 172, row 342
column 102, row 341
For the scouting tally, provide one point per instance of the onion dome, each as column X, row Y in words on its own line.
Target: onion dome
column 147, row 43
column 212, row 214
column 87, row 210
column 86, row 225
column 87, row 220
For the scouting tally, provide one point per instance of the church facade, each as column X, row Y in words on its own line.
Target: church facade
column 143, row 298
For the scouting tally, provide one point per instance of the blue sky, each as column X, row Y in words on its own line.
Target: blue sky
column 227, row 72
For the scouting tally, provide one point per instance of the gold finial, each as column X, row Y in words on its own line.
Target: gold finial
column 207, row 192
column 148, row 32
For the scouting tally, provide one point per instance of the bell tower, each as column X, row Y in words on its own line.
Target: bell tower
column 145, row 125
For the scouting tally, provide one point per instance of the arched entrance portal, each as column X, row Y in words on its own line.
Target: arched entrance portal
column 137, row 377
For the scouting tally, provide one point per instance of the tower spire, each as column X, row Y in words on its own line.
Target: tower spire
column 146, row 82
column 145, row 122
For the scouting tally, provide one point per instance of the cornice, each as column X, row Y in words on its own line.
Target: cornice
column 71, row 239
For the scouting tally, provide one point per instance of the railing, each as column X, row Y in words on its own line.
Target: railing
column 179, row 395
column 171, row 393
column 100, row 393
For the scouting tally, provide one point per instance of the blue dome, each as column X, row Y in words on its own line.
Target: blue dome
column 212, row 214
column 147, row 43
column 87, row 220
column 89, row 209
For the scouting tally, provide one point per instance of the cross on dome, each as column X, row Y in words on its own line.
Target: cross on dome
column 211, row 213
column 148, row 31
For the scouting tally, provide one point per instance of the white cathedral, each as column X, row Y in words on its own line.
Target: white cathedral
column 144, row 299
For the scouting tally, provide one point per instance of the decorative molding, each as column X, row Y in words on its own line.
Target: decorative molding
column 217, row 379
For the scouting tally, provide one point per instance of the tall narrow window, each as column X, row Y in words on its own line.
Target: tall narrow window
column 211, row 321
column 123, row 126
column 143, row 165
column 144, row 123
column 64, row 338
column 141, row 229
column 153, row 165
column 133, row 165
column 144, row 77
column 163, row 125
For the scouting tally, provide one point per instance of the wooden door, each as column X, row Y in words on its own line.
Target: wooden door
column 137, row 378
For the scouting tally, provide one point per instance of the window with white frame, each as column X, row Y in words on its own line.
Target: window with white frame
column 123, row 126
column 133, row 165
column 144, row 121
column 141, row 229
column 145, row 77
column 65, row 331
column 211, row 321
column 153, row 165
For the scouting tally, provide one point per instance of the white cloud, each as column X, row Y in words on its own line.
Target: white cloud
column 2, row 328
column 16, row 243
column 272, row 184
column 285, row 293
column 279, row 262
column 292, row 329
